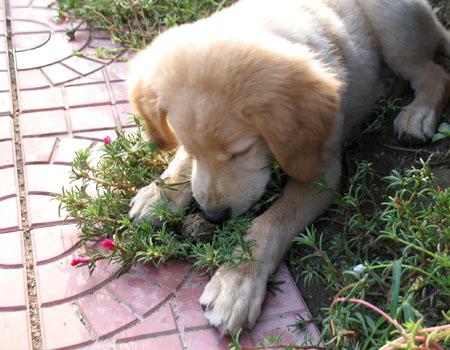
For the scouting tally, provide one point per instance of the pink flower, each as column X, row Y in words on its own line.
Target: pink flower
column 78, row 261
column 107, row 140
column 108, row 244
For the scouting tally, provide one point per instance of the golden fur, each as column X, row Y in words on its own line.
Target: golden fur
column 287, row 78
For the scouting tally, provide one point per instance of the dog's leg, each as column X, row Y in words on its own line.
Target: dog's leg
column 177, row 174
column 234, row 296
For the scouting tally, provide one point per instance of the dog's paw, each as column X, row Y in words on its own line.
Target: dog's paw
column 233, row 298
column 148, row 196
column 415, row 124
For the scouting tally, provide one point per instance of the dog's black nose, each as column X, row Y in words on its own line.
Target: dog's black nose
column 217, row 215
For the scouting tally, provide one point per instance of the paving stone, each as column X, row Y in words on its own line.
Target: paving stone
column 7, row 153
column 9, row 220
column 91, row 78
column 14, row 331
column 92, row 118
column 63, row 326
column 38, row 149
column 82, row 65
column 44, row 209
column 32, row 79
column 8, row 182
column 43, row 123
column 171, row 342
column 6, row 131
column 99, row 307
column 120, row 91
column 11, row 249
column 62, row 238
column 4, row 81
column 30, row 41
column 206, row 339
column 117, row 71
column 67, row 148
column 12, row 289
column 141, row 296
column 43, row 99
column 58, row 281
column 169, row 275
column 57, row 73
column 3, row 62
column 5, row 103
column 85, row 95
column 124, row 111
column 47, row 178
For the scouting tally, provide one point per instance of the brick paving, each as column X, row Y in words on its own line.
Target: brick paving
column 67, row 103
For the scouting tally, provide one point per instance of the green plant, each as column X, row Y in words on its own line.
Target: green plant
column 442, row 133
column 394, row 255
column 133, row 23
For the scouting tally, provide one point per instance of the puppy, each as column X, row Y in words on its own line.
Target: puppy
column 286, row 78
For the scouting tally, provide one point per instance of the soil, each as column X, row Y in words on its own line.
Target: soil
column 382, row 149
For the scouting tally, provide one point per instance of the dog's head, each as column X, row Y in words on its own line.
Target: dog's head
column 231, row 101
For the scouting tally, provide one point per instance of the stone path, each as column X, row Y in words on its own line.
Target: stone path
column 53, row 103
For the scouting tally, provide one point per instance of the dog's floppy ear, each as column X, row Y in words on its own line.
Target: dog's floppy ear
column 296, row 113
column 145, row 101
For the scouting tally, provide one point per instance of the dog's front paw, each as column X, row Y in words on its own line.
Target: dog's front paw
column 415, row 124
column 148, row 196
column 233, row 298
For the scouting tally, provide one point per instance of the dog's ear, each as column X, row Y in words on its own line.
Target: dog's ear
column 145, row 101
column 298, row 113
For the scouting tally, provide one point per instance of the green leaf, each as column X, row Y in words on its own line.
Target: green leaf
column 444, row 128
column 438, row 136
column 395, row 289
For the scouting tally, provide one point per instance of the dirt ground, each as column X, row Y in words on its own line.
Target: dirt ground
column 382, row 149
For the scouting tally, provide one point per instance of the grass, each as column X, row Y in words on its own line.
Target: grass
column 385, row 259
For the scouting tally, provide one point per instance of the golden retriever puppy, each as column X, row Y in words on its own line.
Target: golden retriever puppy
column 286, row 78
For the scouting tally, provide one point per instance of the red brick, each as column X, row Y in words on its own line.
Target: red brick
column 14, row 330
column 91, row 118
column 32, row 79
column 12, row 288
column 168, row 342
column 5, row 103
column 44, row 209
column 7, row 153
column 62, row 238
column 43, row 123
column 137, row 293
column 8, row 182
column 6, row 131
column 206, row 339
column 47, row 178
column 120, row 91
column 67, row 148
column 38, row 149
column 105, row 315
column 160, row 321
column 82, row 65
column 43, row 99
column 191, row 313
column 63, row 326
column 58, row 281
column 57, row 73
column 11, row 249
column 170, row 275
column 85, row 95
column 9, row 219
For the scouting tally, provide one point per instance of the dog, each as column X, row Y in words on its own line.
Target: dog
column 281, row 78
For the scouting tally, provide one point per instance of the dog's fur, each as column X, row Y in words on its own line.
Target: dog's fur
column 281, row 77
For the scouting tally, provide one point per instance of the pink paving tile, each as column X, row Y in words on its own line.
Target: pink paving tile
column 3, row 46
column 124, row 111
column 160, row 321
column 105, row 315
column 8, row 182
column 47, row 178
column 12, row 289
column 9, row 220
column 140, row 295
column 4, row 81
column 117, row 71
column 43, row 99
column 168, row 342
column 91, row 118
column 120, row 91
column 14, row 331
column 43, row 123
column 5, row 103
column 286, row 300
column 6, row 131
column 32, row 79
column 44, row 209
column 6, row 153
column 85, row 95
column 57, row 73
column 11, row 249
column 82, row 65
column 3, row 62
column 170, row 275
column 63, row 238
column 20, row 26
column 38, row 149
column 58, row 281
column 63, row 326
column 30, row 41
column 91, row 78
column 67, row 147
column 206, row 339
column 191, row 313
